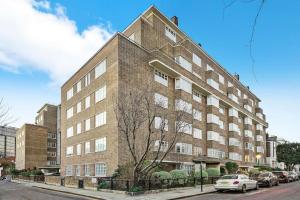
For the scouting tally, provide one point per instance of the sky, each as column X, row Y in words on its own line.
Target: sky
column 42, row 43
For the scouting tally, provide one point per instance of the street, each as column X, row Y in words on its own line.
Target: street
column 14, row 191
column 290, row 191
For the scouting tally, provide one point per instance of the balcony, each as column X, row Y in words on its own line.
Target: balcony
column 233, row 90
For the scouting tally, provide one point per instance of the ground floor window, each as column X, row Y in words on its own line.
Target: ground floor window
column 69, row 170
column 100, row 169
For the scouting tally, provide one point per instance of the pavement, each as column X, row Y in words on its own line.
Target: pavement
column 17, row 188
column 289, row 191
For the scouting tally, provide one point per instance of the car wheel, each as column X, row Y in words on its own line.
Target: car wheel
column 270, row 184
column 219, row 191
column 256, row 187
column 244, row 190
column 277, row 183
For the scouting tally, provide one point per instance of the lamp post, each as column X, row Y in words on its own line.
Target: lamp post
column 258, row 156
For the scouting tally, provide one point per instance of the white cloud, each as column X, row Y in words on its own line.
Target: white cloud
column 33, row 37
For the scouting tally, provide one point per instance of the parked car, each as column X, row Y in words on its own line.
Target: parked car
column 2, row 178
column 298, row 175
column 293, row 175
column 238, row 182
column 283, row 176
column 267, row 179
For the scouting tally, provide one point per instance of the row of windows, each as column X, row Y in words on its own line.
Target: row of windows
column 99, row 70
column 100, row 145
column 98, row 170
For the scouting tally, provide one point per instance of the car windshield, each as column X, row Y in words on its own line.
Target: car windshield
column 230, row 177
column 264, row 175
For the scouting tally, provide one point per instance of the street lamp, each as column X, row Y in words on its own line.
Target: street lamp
column 258, row 156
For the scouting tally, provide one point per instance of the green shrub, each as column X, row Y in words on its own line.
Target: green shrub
column 213, row 172
column 162, row 175
column 198, row 174
column 231, row 167
column 253, row 172
column 25, row 173
column 13, row 171
column 102, row 185
column 179, row 176
column 136, row 189
column 36, row 173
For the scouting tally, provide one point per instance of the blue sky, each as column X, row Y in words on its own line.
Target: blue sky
column 44, row 42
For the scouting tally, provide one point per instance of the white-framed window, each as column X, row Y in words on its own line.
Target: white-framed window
column 100, row 119
column 183, row 63
column 87, row 147
column 248, row 121
column 197, row 96
column 197, row 115
column 259, row 138
column 249, row 146
column 212, row 101
column 213, row 83
column 215, row 153
column 197, row 133
column 87, row 79
column 184, row 148
column 78, row 86
column 70, row 113
column 87, row 170
column 247, row 107
column 70, row 132
column 221, row 79
column 259, row 127
column 100, row 94
column 234, row 127
column 197, row 60
column 78, row 149
column 233, row 97
column 161, row 100
column 160, row 123
column 221, row 124
column 100, row 144
column 77, row 170
column 260, row 149
column 209, row 68
column 234, row 142
column 70, row 93
column 161, row 78
column 183, row 106
column 222, row 139
column 197, row 151
column 211, row 118
column 235, row 156
column 87, row 124
column 170, row 33
column 184, row 127
column 248, row 133
column 69, row 170
column 162, row 146
column 222, row 110
column 69, row 151
column 78, row 106
column 87, row 102
column 212, row 135
column 239, row 92
column 78, row 128
column 188, row 168
column 230, row 84
column 233, row 112
column 132, row 37
column 100, row 169
column 259, row 115
column 100, row 69
column 182, row 84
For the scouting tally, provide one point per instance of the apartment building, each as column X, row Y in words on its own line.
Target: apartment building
column 8, row 142
column 226, row 124
column 37, row 144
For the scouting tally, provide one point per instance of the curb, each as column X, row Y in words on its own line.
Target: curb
column 66, row 192
column 192, row 195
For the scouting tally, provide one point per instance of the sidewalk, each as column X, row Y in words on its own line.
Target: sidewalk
column 173, row 194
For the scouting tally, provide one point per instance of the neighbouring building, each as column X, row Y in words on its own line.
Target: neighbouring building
column 228, row 123
column 8, row 142
column 271, row 157
column 37, row 144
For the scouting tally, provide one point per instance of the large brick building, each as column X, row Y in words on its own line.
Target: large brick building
column 230, row 125
column 37, row 144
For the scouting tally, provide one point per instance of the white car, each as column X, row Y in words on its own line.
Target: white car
column 237, row 182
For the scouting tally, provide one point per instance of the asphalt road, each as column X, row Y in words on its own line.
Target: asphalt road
column 14, row 191
column 289, row 191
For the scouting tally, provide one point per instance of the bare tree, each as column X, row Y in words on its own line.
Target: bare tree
column 148, row 129
column 5, row 117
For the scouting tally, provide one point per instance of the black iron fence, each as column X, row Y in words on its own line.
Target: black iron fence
column 153, row 184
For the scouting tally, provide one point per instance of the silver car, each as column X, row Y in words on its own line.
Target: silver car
column 238, row 182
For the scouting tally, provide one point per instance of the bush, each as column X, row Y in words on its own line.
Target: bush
column 198, row 174
column 136, row 189
column 231, row 167
column 25, row 173
column 102, row 185
column 162, row 175
column 179, row 176
column 13, row 171
column 253, row 172
column 36, row 173
column 265, row 168
column 213, row 172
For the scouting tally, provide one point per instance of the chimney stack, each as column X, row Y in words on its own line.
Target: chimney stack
column 237, row 76
column 174, row 19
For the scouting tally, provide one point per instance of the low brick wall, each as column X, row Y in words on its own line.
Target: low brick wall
column 53, row 180
column 71, row 181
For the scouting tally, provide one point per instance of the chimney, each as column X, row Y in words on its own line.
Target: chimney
column 248, row 87
column 237, row 76
column 174, row 19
